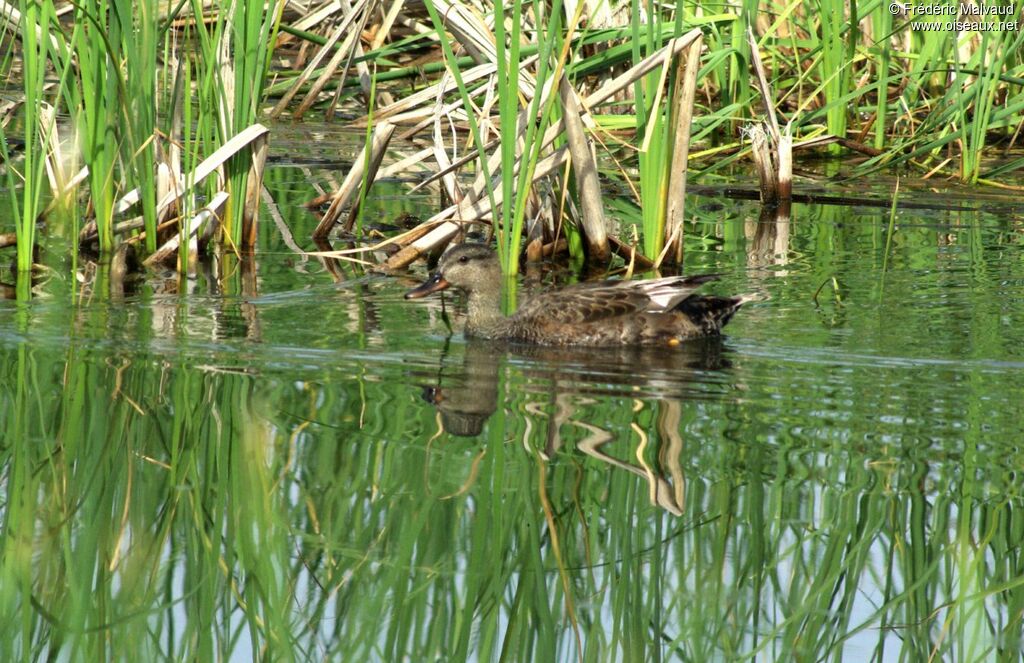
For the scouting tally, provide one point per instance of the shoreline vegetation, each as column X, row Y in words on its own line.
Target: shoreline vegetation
column 160, row 154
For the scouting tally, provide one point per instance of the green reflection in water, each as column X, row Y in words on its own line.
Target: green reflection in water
column 274, row 466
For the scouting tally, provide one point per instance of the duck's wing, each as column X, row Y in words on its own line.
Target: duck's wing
column 603, row 300
column 665, row 294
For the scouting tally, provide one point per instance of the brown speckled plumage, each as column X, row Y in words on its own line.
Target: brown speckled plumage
column 653, row 312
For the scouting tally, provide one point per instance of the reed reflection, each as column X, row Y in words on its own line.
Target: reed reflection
column 768, row 240
column 467, row 393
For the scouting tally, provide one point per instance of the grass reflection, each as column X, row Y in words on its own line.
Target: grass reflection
column 181, row 512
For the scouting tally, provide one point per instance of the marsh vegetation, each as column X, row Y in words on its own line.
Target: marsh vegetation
column 224, row 435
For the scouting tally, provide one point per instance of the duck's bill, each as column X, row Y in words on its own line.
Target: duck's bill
column 435, row 283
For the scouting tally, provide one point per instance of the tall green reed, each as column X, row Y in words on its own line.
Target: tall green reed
column 881, row 23
column 36, row 53
column 839, row 36
column 109, row 68
column 651, row 127
column 230, row 76
column 96, row 38
column 508, row 77
column 254, row 31
column 538, row 115
column 976, row 100
column 140, row 44
column 521, row 122
column 657, row 115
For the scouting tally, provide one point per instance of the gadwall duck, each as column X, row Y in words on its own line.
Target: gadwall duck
column 655, row 312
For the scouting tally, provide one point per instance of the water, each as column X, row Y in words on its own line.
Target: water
column 296, row 463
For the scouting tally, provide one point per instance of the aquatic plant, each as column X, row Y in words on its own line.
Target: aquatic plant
column 504, row 87
column 124, row 78
column 820, row 59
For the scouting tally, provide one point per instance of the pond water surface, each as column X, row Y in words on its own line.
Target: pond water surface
column 284, row 460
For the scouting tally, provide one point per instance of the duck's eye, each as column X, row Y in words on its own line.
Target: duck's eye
column 464, row 259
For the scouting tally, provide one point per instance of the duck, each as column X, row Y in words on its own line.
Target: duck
column 662, row 311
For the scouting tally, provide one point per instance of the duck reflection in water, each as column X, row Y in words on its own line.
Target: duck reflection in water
column 467, row 393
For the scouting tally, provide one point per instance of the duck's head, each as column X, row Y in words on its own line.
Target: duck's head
column 469, row 267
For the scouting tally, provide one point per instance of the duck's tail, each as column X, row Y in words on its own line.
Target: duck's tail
column 710, row 313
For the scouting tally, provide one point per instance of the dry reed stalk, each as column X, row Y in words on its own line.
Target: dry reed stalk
column 398, row 240
column 169, row 178
column 623, row 81
column 599, row 96
column 468, row 209
column 404, row 164
column 130, row 225
column 345, row 53
column 444, row 86
column 557, row 247
column 62, row 186
column 584, row 167
column 253, row 185
column 438, row 236
column 174, row 147
column 630, row 253
column 362, row 70
column 166, row 182
column 378, row 146
column 210, row 165
column 481, row 183
column 341, row 31
column 224, row 56
column 381, row 137
column 785, row 156
column 71, row 185
column 534, row 251
column 312, row 19
column 459, row 163
column 774, row 166
column 683, row 99
column 211, row 212
column 456, row 111
column 766, row 172
column 848, row 143
column 282, row 226
column 772, row 151
column 762, row 85
column 470, row 30
column 448, row 181
column 384, row 29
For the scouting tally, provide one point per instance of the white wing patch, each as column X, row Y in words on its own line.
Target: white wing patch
column 665, row 293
